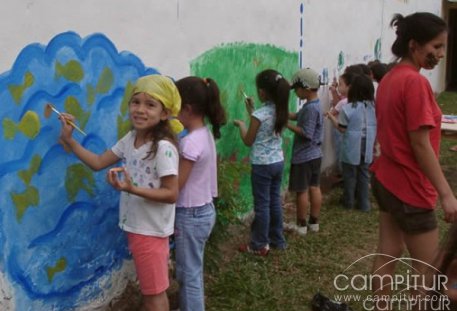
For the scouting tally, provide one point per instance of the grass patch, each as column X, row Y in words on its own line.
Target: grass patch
column 287, row 280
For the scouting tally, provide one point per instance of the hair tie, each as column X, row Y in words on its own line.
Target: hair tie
column 278, row 77
column 205, row 80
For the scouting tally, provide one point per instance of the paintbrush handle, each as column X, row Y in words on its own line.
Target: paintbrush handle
column 76, row 127
column 68, row 121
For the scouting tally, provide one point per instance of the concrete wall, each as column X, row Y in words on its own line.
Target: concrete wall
column 59, row 242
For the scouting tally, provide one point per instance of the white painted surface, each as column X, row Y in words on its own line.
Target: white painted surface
column 170, row 33
column 6, row 294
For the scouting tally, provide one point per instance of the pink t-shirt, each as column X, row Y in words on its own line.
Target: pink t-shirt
column 201, row 186
column 340, row 104
column 404, row 103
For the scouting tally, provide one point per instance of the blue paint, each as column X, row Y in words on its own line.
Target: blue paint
column 85, row 231
column 301, row 36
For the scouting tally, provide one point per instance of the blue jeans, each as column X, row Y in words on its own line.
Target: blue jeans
column 356, row 180
column 192, row 229
column 266, row 229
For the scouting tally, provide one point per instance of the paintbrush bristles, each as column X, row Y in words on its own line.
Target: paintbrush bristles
column 49, row 108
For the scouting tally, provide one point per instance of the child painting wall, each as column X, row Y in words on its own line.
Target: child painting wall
column 60, row 246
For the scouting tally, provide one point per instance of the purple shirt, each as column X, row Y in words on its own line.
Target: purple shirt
column 201, row 186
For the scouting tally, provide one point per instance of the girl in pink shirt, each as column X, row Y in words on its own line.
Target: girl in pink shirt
column 195, row 213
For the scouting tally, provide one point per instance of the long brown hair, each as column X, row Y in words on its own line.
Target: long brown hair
column 203, row 96
column 278, row 90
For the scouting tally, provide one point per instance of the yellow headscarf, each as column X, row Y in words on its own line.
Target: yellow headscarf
column 164, row 90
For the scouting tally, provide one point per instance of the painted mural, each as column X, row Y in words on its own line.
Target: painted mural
column 58, row 219
column 234, row 67
column 60, row 245
column 58, row 222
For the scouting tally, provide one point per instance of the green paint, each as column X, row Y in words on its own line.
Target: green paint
column 126, row 98
column 60, row 266
column 123, row 126
column 90, row 94
column 234, row 67
column 22, row 201
column 72, row 71
column 73, row 107
column 26, row 175
column 340, row 61
column 123, row 121
column 105, row 82
column 29, row 126
column 18, row 90
column 79, row 177
column 9, row 128
column 377, row 49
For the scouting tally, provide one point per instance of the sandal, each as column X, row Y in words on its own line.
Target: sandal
column 245, row 248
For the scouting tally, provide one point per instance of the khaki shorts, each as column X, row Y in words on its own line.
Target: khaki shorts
column 410, row 219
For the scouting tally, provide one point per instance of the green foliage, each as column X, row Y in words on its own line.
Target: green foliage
column 234, row 67
column 229, row 206
column 22, row 201
column 79, row 177
column 26, row 175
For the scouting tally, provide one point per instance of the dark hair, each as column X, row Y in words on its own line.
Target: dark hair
column 378, row 70
column 203, row 96
column 354, row 69
column 421, row 27
column 365, row 69
column 361, row 89
column 277, row 90
column 347, row 78
column 161, row 131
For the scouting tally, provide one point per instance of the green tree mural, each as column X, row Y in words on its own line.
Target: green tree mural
column 234, row 67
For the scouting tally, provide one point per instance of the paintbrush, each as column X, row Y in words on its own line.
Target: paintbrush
column 244, row 94
column 51, row 107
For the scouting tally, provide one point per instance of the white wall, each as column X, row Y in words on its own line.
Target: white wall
column 172, row 32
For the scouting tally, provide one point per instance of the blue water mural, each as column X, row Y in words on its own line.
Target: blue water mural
column 58, row 219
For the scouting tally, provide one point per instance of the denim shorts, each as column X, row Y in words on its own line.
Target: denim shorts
column 410, row 219
column 305, row 175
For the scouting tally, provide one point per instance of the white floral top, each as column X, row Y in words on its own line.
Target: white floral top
column 267, row 147
column 137, row 214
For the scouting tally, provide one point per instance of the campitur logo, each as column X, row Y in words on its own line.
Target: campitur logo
column 409, row 290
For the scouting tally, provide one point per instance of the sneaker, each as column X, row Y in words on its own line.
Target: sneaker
column 301, row 230
column 313, row 227
column 289, row 226
column 245, row 248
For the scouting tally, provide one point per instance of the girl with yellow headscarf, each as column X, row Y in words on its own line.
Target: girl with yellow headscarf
column 147, row 180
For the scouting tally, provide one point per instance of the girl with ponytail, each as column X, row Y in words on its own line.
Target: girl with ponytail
column 267, row 160
column 195, row 213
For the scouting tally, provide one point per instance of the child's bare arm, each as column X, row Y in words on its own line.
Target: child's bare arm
column 334, row 121
column 93, row 160
column 166, row 193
